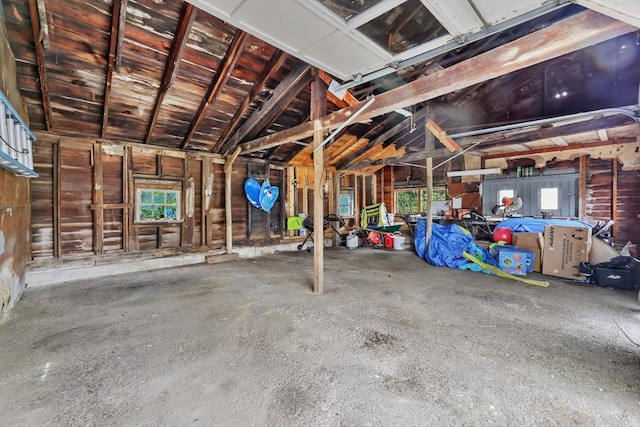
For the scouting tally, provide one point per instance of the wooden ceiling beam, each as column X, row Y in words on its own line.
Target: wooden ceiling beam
column 583, row 146
column 228, row 63
column 120, row 42
column 276, row 61
column 283, row 94
column 113, row 43
column 187, row 17
column 560, row 38
column 42, row 73
column 400, row 127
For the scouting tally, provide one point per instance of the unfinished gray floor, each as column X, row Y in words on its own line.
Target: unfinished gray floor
column 393, row 341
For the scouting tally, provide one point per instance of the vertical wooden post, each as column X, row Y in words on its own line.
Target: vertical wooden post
column 126, row 244
column 336, row 202
column 582, row 194
column 290, row 207
column 98, row 192
column 614, row 199
column 382, row 186
column 318, row 214
column 356, row 201
column 134, row 240
column 305, row 194
column 429, row 165
column 57, row 188
column 228, row 170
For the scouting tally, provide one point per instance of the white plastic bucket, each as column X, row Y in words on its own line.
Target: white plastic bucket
column 352, row 240
column 398, row 242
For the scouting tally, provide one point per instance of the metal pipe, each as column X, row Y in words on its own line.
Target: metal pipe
column 621, row 110
column 345, row 124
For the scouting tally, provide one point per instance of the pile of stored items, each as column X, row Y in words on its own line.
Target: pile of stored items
column 566, row 249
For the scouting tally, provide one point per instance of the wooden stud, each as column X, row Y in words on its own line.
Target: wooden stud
column 57, row 189
column 336, row 202
column 614, row 199
column 583, row 187
column 126, row 247
column 228, row 171
column 318, row 214
column 429, row 164
column 98, row 200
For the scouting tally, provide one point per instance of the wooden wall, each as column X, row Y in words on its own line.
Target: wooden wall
column 613, row 194
column 84, row 201
column 14, row 198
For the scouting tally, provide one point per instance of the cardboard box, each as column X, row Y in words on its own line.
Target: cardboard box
column 564, row 249
column 514, row 260
column 533, row 242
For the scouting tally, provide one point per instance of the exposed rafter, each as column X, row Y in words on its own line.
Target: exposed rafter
column 120, row 42
column 228, row 63
column 286, row 91
column 113, row 38
column 275, row 62
column 42, row 73
column 400, row 127
column 563, row 37
column 187, row 16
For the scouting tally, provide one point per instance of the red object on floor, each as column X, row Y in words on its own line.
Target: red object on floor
column 502, row 234
column 388, row 241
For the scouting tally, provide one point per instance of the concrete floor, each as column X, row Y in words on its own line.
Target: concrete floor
column 393, row 341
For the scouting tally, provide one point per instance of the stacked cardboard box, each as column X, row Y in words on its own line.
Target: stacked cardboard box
column 564, row 249
column 533, row 242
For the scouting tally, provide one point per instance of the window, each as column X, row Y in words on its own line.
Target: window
column 509, row 193
column 346, row 209
column 158, row 202
column 407, row 201
column 549, row 199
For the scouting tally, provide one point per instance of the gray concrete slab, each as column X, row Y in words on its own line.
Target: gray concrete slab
column 393, row 341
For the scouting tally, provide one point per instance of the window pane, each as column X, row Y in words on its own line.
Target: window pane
column 548, row 199
column 505, row 193
column 407, row 25
column 348, row 8
column 407, row 201
column 158, row 205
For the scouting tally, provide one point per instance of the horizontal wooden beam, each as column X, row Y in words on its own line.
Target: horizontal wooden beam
column 583, row 146
column 568, row 35
column 442, row 136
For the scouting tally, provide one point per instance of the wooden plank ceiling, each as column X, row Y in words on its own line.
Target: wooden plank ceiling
column 167, row 74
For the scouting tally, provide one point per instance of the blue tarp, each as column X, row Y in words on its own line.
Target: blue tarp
column 536, row 225
column 447, row 245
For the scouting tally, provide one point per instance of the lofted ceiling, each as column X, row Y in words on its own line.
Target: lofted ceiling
column 213, row 75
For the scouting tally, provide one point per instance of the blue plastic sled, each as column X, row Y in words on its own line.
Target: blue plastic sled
column 252, row 191
column 268, row 195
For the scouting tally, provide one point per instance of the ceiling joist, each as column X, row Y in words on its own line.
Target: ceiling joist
column 42, row 73
column 116, row 26
column 276, row 61
column 286, row 91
